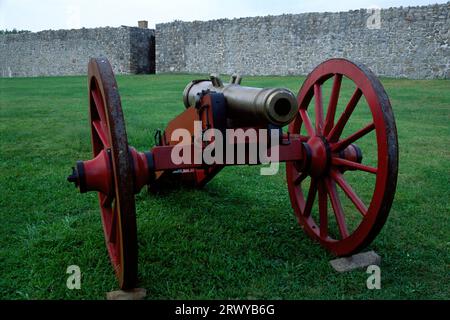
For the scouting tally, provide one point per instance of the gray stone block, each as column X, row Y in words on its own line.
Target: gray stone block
column 134, row 294
column 358, row 261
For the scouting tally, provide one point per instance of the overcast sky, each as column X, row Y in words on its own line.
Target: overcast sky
column 36, row 15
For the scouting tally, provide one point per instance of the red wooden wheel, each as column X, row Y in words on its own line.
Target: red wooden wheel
column 118, row 205
column 351, row 168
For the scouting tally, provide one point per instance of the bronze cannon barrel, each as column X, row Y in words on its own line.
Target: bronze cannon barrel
column 252, row 106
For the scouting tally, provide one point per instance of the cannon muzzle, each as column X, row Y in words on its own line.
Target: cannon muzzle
column 247, row 105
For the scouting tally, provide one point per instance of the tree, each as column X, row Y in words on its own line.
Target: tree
column 13, row 31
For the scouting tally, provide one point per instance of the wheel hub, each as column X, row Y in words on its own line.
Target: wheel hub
column 94, row 175
column 97, row 175
column 351, row 153
column 320, row 156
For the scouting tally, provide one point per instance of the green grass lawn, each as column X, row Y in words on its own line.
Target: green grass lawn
column 237, row 238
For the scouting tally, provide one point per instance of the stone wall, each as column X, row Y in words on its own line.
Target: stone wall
column 411, row 42
column 67, row 52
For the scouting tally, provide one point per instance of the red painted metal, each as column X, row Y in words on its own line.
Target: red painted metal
column 98, row 174
column 141, row 171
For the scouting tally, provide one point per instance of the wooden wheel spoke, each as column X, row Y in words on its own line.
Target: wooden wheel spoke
column 340, row 125
column 351, row 194
column 307, row 121
column 341, row 145
column 323, row 210
column 311, row 197
column 107, row 201
column 334, row 98
column 113, row 227
column 353, row 165
column 337, row 208
column 318, row 108
column 300, row 178
column 100, row 132
column 100, row 107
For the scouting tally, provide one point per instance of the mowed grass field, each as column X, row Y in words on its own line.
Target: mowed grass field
column 236, row 239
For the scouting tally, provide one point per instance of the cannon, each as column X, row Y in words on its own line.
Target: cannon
column 247, row 106
column 325, row 152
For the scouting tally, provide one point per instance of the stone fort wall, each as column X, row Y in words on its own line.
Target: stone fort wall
column 67, row 52
column 411, row 42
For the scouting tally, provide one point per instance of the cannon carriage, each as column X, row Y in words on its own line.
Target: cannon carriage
column 318, row 152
